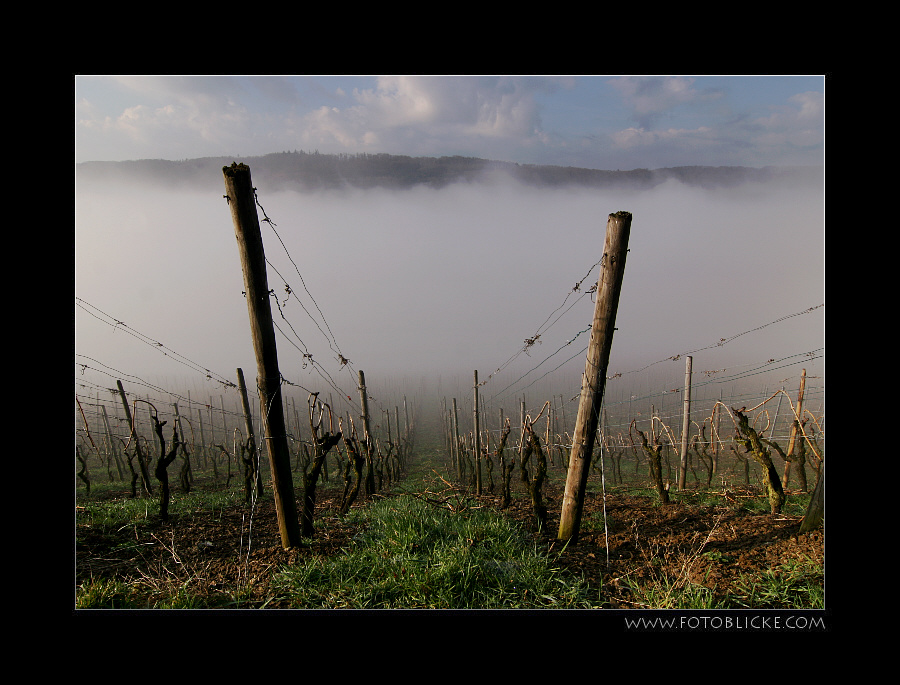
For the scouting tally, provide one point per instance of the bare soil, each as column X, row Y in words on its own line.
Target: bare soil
column 710, row 546
column 206, row 552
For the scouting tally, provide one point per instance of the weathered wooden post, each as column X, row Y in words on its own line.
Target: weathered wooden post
column 241, row 198
column 251, row 436
column 368, row 437
column 522, row 431
column 477, row 436
column 112, row 447
column 609, row 285
column 401, row 444
column 685, row 424
column 406, row 413
column 142, row 462
column 794, row 426
column 203, row 448
column 815, row 512
column 456, row 456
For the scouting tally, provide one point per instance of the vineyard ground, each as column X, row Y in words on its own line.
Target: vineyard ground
column 687, row 546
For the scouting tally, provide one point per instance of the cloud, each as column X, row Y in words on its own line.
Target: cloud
column 172, row 114
column 799, row 123
column 646, row 122
column 789, row 133
column 429, row 114
column 650, row 98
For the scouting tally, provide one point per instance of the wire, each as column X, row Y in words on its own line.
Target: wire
column 116, row 324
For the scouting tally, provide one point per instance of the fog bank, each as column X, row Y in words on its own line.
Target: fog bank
column 437, row 283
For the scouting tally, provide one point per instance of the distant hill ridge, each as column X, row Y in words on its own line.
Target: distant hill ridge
column 309, row 171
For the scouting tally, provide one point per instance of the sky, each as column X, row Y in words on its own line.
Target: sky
column 601, row 122
column 439, row 283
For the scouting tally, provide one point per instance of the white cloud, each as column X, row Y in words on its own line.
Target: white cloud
column 650, row 98
column 416, row 114
column 327, row 125
column 172, row 114
column 653, row 121
column 799, row 123
column 790, row 133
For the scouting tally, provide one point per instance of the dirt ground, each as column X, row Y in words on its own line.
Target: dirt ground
column 712, row 546
column 709, row 546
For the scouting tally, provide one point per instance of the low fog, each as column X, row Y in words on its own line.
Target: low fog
column 434, row 284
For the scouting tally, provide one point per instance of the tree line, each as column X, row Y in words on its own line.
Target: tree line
column 311, row 170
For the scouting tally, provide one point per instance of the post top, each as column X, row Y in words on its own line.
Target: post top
column 235, row 168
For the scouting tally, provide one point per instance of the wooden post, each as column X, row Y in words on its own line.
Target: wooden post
column 815, row 512
column 203, row 448
column 187, row 474
column 718, row 440
column 521, row 430
column 401, row 446
column 455, row 436
column 547, row 445
column 150, row 415
column 112, row 447
column 224, row 419
column 794, row 426
column 406, row 412
column 685, row 423
column 477, row 442
column 142, row 462
column 251, row 437
column 369, row 438
column 212, row 424
column 242, row 200
column 609, row 286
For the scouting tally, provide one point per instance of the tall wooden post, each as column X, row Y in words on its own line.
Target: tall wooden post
column 794, row 426
column 245, row 406
column 401, row 446
column 241, row 198
column 406, row 412
column 248, row 425
column 142, row 461
column 547, row 444
column 815, row 512
column 522, row 429
column 609, row 285
column 203, row 447
column 456, row 456
column 112, row 447
column 224, row 418
column 477, row 442
column 369, row 438
column 685, row 424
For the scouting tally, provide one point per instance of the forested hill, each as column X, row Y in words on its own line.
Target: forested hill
column 305, row 171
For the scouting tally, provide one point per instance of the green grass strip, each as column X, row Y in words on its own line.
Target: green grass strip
column 413, row 555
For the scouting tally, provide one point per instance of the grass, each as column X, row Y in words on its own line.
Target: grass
column 414, row 555
column 447, row 554
column 113, row 514
column 125, row 510
column 411, row 554
column 798, row 583
column 752, row 499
